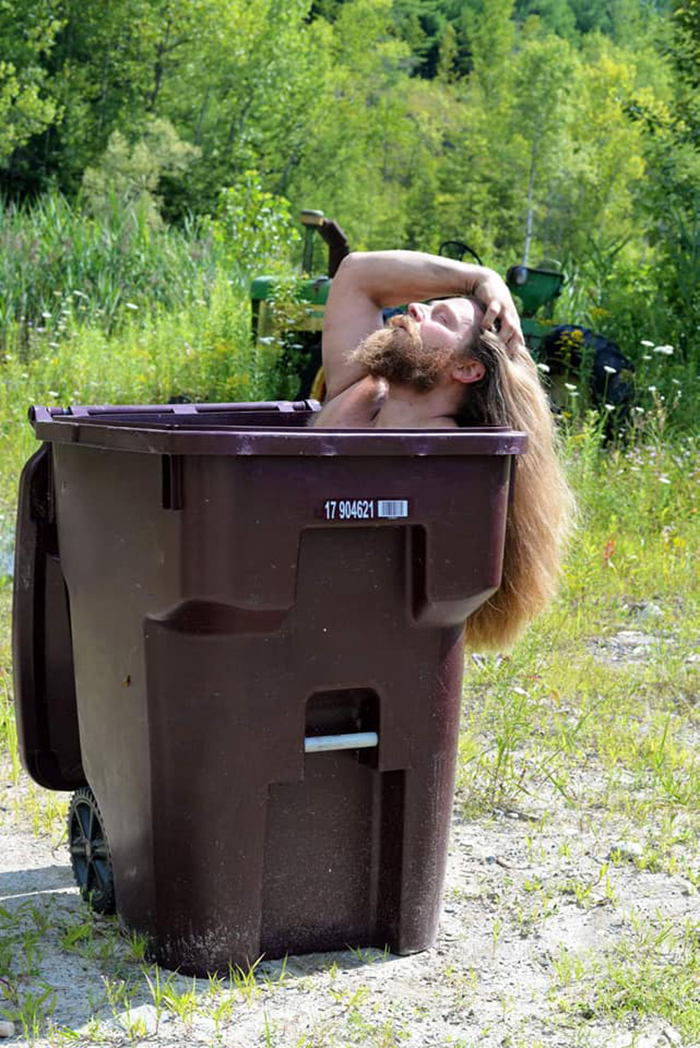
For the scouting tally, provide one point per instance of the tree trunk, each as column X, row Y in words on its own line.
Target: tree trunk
column 531, row 198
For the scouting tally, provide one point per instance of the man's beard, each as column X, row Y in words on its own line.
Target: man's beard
column 396, row 353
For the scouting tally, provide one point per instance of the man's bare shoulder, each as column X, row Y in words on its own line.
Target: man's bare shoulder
column 355, row 408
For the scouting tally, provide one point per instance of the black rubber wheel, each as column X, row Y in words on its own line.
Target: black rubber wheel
column 89, row 852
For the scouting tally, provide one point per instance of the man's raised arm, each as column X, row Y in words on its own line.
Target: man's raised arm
column 368, row 282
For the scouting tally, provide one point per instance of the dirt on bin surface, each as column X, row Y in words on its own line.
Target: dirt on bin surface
column 561, row 926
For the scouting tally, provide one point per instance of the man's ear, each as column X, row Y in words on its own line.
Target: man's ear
column 469, row 370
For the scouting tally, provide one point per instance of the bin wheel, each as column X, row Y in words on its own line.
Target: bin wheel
column 89, row 852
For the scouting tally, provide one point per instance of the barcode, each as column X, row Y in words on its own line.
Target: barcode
column 392, row 508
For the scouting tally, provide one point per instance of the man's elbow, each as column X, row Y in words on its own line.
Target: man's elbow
column 352, row 273
column 348, row 268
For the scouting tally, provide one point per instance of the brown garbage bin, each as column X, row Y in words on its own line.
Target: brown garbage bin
column 246, row 636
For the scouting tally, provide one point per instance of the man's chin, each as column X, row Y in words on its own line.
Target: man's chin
column 396, row 353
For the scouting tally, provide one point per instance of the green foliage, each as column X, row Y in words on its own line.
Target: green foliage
column 26, row 107
column 686, row 45
column 527, row 128
column 128, row 176
column 58, row 266
column 255, row 228
column 202, row 350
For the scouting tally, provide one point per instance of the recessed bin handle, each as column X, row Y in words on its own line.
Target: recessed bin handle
column 356, row 740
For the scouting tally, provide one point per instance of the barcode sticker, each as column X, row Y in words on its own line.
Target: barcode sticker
column 392, row 509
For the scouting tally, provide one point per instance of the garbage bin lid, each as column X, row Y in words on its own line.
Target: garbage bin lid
column 265, row 428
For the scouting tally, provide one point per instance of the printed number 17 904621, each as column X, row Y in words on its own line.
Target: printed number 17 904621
column 365, row 509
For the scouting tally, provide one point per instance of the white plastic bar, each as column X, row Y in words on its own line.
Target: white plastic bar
column 358, row 740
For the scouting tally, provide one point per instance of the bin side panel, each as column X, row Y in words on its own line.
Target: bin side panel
column 410, row 923
column 44, row 686
column 119, row 552
column 458, row 552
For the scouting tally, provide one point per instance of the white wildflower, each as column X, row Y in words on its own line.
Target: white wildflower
column 666, row 350
column 647, row 356
column 53, row 393
column 646, row 342
column 608, row 370
column 46, row 316
column 640, row 411
column 80, row 294
column 652, row 389
column 571, row 388
column 131, row 305
column 609, row 407
column 544, row 367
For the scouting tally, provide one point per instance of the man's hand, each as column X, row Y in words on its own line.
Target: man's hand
column 500, row 314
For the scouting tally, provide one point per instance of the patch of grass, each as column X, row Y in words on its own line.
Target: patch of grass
column 655, row 971
column 10, row 770
column 608, row 679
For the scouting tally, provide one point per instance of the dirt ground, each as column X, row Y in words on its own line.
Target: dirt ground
column 536, row 917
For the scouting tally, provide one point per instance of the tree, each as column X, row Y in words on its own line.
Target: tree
column 101, row 70
column 129, row 175
column 27, row 104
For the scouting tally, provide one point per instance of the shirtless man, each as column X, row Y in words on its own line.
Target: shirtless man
column 444, row 366
column 413, row 373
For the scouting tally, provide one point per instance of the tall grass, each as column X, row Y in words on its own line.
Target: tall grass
column 57, row 265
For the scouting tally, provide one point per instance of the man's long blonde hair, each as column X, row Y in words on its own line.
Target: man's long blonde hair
column 541, row 510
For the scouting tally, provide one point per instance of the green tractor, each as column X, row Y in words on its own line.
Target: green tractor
column 569, row 353
column 302, row 340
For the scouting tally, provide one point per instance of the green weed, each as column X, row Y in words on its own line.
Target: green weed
column 654, row 971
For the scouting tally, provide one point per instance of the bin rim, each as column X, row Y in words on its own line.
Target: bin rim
column 129, row 428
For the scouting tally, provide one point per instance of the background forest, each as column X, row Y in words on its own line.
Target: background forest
column 155, row 154
column 144, row 144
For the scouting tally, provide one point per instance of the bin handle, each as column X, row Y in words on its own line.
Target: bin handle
column 352, row 741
